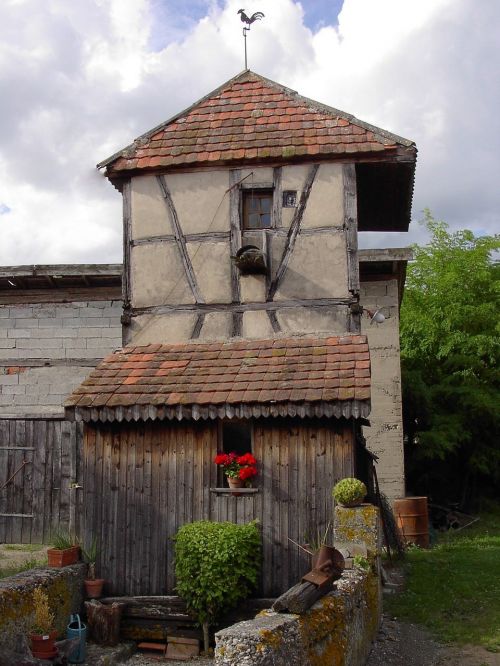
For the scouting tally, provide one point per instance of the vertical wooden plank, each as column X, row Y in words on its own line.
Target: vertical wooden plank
column 17, row 483
column 55, row 494
column 169, row 500
column 89, row 495
column 284, row 461
column 148, row 525
column 139, row 510
column 294, row 506
column 27, row 502
column 197, row 470
column 4, row 465
column 73, row 478
column 156, row 482
column 130, row 534
column 65, row 492
column 39, row 442
column 47, row 482
column 276, row 561
column 78, row 497
column 106, row 533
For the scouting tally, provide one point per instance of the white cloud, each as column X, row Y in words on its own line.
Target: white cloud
column 79, row 80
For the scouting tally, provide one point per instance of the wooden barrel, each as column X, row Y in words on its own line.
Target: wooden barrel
column 413, row 520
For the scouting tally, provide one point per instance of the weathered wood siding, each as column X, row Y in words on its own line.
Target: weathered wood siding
column 143, row 481
column 38, row 500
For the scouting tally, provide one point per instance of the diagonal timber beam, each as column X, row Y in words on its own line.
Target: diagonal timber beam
column 180, row 241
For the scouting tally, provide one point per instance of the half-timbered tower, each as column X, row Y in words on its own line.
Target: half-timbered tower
column 241, row 324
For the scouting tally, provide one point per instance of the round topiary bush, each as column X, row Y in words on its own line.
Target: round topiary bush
column 216, row 565
column 349, row 492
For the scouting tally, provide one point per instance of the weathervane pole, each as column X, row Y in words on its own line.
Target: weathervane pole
column 245, row 30
column 256, row 16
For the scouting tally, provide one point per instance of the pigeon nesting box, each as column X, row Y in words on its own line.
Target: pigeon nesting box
column 249, row 259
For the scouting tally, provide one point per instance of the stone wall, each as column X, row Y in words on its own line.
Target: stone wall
column 64, row 588
column 47, row 349
column 338, row 630
column 385, row 435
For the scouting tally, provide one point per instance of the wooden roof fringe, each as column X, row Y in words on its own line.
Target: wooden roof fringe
column 238, row 378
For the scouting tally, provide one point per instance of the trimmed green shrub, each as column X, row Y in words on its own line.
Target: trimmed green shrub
column 349, row 491
column 216, row 565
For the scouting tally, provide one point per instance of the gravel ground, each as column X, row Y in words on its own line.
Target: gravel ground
column 402, row 644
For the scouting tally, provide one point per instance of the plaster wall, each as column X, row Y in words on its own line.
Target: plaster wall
column 385, row 435
column 317, row 267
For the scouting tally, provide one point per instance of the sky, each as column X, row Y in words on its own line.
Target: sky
column 80, row 80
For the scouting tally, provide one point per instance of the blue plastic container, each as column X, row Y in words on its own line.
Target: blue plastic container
column 77, row 629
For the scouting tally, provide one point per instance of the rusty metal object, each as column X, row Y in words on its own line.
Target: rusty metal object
column 413, row 520
column 328, row 565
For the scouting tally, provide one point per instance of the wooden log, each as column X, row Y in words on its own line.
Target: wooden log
column 104, row 622
column 300, row 597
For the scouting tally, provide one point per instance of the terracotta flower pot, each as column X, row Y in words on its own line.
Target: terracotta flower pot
column 94, row 588
column 43, row 646
column 63, row 558
column 235, row 483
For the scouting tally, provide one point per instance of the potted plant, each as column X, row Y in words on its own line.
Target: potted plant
column 65, row 550
column 239, row 470
column 93, row 585
column 349, row 492
column 42, row 634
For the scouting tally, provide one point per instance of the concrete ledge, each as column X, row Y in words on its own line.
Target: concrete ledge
column 337, row 631
column 65, row 591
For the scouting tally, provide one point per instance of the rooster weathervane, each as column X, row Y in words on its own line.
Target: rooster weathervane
column 256, row 16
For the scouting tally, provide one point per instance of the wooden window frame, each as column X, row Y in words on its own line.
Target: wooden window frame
column 258, row 192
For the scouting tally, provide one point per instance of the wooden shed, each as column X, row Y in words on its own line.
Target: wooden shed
column 156, row 416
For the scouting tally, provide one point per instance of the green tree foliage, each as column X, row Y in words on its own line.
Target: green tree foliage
column 450, row 350
column 216, row 565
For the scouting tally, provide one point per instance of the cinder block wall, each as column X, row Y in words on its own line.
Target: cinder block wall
column 385, row 436
column 47, row 349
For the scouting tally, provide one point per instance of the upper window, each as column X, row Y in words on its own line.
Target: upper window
column 257, row 209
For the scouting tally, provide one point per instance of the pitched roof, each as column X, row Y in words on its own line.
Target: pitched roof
column 293, row 376
column 250, row 118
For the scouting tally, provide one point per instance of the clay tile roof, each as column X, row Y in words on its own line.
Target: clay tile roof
column 251, row 118
column 286, row 376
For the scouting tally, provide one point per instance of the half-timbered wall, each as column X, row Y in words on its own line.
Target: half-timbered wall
column 143, row 481
column 181, row 230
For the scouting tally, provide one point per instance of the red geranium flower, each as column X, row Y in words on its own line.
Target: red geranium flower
column 234, row 466
column 247, row 473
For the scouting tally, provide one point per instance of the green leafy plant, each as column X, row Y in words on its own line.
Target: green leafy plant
column 216, row 565
column 361, row 562
column 90, row 557
column 44, row 619
column 450, row 354
column 63, row 540
column 349, row 491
